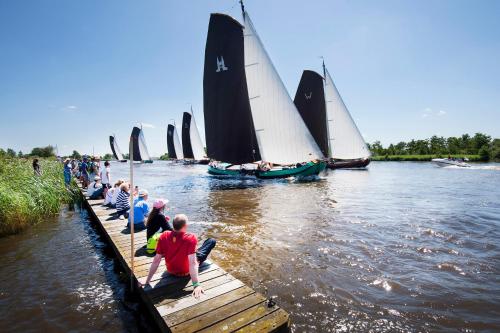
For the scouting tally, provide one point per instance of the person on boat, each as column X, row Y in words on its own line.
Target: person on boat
column 123, row 201
column 95, row 190
column 178, row 247
column 106, row 177
column 265, row 166
column 36, row 168
column 157, row 221
column 141, row 211
column 67, row 171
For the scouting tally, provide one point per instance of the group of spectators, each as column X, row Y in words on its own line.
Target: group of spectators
column 171, row 242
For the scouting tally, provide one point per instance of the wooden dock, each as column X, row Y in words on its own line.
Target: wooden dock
column 228, row 305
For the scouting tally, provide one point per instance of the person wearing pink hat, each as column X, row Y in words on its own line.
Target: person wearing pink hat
column 157, row 221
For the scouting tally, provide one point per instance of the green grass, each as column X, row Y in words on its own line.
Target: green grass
column 26, row 199
column 421, row 158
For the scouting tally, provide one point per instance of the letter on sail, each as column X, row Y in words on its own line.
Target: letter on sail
column 282, row 136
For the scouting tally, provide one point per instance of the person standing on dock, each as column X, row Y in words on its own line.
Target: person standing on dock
column 84, row 173
column 106, row 177
column 178, row 247
column 67, row 171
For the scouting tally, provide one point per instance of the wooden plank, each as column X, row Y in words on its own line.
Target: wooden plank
column 204, row 307
column 211, row 318
column 241, row 319
column 185, row 302
column 271, row 323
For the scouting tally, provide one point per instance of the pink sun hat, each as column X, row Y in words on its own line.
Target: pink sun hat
column 160, row 203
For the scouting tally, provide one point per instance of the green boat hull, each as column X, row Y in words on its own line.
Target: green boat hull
column 307, row 170
column 223, row 172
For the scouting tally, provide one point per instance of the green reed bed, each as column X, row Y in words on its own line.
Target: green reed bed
column 26, row 199
column 421, row 158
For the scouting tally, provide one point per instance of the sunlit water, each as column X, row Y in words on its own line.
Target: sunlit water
column 396, row 247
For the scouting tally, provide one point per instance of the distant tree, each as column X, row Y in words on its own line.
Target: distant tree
column 495, row 150
column 484, row 153
column 11, row 153
column 377, row 149
column 400, row 148
column 47, row 151
column 126, row 156
column 164, row 157
column 76, row 155
column 479, row 140
column 20, row 154
column 437, row 145
column 2, row 153
column 453, row 145
column 108, row 157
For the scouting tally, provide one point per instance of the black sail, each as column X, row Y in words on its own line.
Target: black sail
column 229, row 129
column 170, row 142
column 136, row 132
column 112, row 143
column 310, row 102
column 186, row 136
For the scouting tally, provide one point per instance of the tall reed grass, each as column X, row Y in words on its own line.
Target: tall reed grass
column 26, row 199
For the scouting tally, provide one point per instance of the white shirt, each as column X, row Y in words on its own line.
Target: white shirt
column 115, row 195
column 109, row 195
column 92, row 188
column 104, row 176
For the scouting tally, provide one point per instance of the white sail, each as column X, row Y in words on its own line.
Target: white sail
column 345, row 140
column 196, row 144
column 143, row 149
column 177, row 145
column 117, row 149
column 282, row 135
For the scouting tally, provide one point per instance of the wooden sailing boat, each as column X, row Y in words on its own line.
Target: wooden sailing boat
column 330, row 122
column 117, row 153
column 192, row 147
column 140, row 149
column 173, row 143
column 249, row 116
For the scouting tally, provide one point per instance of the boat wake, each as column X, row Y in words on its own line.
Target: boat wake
column 475, row 167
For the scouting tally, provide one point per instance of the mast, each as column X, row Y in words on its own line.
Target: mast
column 328, row 119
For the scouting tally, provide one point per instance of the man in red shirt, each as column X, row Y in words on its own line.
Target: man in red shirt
column 178, row 247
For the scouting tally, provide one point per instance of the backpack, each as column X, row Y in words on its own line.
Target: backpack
column 152, row 242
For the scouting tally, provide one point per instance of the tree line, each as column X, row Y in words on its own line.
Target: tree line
column 480, row 144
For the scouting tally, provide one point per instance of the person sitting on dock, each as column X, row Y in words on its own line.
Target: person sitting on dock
column 112, row 194
column 95, row 190
column 178, row 247
column 141, row 211
column 156, row 223
column 123, row 201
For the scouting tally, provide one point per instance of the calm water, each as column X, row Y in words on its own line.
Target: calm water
column 397, row 247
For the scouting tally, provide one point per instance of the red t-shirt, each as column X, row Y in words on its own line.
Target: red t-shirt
column 176, row 247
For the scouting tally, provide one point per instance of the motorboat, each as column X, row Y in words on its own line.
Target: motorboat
column 445, row 162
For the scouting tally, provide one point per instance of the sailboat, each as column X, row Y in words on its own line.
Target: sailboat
column 141, row 153
column 173, row 143
column 192, row 147
column 249, row 115
column 330, row 122
column 117, row 153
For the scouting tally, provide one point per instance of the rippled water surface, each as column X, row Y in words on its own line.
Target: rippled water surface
column 396, row 247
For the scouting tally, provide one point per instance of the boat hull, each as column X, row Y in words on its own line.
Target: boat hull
column 148, row 161
column 307, row 170
column 348, row 164
column 224, row 172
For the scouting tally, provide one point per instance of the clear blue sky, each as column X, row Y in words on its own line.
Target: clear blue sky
column 72, row 72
